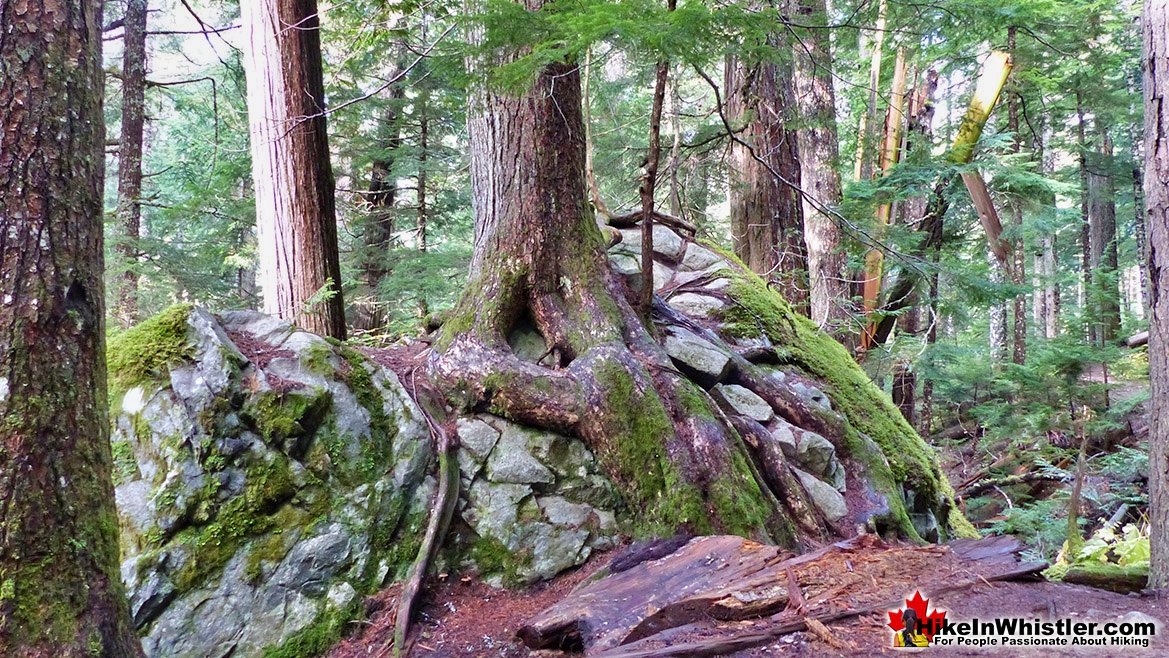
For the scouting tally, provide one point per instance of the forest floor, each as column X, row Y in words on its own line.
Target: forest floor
column 466, row 618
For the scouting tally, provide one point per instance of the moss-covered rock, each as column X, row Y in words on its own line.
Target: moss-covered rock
column 263, row 489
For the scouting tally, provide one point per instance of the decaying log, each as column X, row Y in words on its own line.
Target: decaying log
column 1112, row 577
column 656, row 607
column 981, row 486
column 1137, row 340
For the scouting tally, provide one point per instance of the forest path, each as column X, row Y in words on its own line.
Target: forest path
column 464, row 618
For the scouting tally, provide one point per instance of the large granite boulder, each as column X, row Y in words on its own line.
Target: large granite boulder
column 267, row 478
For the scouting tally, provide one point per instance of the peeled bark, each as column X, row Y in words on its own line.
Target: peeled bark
column 1156, row 84
column 767, row 224
column 61, row 593
column 295, row 206
column 819, row 150
column 130, row 157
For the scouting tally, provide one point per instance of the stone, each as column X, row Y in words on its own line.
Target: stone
column 625, row 264
column 826, row 498
column 561, row 511
column 810, row 394
column 743, row 402
column 696, row 305
column 815, row 454
column 668, row 243
column 527, row 343
column 511, row 463
column 662, row 275
column 784, row 434
column 698, row 257
column 697, row 357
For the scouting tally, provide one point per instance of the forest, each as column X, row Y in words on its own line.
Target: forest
column 603, row 328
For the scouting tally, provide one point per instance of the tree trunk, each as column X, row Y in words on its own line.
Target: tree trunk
column 649, row 181
column 1156, row 83
column 1103, row 262
column 767, row 225
column 866, row 142
column 130, row 157
column 61, row 593
column 819, row 150
column 1018, row 269
column 1085, row 240
column 680, row 459
column 295, row 213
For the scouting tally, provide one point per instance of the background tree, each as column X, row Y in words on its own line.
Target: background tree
column 60, row 589
column 1156, row 85
column 300, row 269
column 130, row 156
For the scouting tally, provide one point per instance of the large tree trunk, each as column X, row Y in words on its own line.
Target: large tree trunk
column 130, row 157
column 680, row 459
column 1103, row 262
column 819, row 149
column 767, row 224
column 61, row 593
column 295, row 213
column 1156, row 78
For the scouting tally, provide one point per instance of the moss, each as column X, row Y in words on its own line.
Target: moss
column 377, row 452
column 869, row 412
column 737, row 499
column 268, row 485
column 143, row 353
column 317, row 359
column 267, row 549
column 280, row 415
column 125, row 464
column 318, row 637
column 493, row 558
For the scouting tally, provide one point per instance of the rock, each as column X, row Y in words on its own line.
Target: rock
column 698, row 258
column 662, row 275
column 1138, row 617
column 510, row 461
column 696, row 305
column 817, row 455
column 527, row 343
column 668, row 243
column 784, row 434
column 743, row 402
column 810, row 394
column 561, row 511
column 697, row 357
column 826, row 499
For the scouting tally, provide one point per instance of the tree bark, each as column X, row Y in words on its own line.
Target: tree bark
column 1018, row 269
column 130, row 157
column 295, row 206
column 767, row 225
column 1156, row 93
column 649, row 181
column 819, row 151
column 1103, row 261
column 61, row 593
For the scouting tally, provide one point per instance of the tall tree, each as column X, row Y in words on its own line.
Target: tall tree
column 295, row 207
column 767, row 225
column 1156, row 83
column 819, row 149
column 60, row 590
column 1103, row 259
column 130, row 156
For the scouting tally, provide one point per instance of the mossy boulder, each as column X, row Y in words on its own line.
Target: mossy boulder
column 268, row 478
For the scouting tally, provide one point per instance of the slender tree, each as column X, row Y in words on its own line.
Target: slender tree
column 61, row 594
column 1156, row 83
column 1103, row 259
column 819, row 149
column 295, row 206
column 767, row 225
column 130, row 156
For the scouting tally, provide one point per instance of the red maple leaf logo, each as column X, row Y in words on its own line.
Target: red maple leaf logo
column 931, row 622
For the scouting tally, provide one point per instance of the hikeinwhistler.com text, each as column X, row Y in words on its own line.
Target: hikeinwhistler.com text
column 1019, row 632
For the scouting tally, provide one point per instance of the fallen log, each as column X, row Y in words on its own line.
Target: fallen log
column 1137, row 340
column 730, row 580
column 1111, row 577
column 980, row 486
column 741, row 640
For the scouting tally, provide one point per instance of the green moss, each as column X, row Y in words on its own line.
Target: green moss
column 317, row 359
column 318, row 637
column 125, row 464
column 268, row 549
column 869, row 412
column 493, row 558
column 268, row 485
column 143, row 353
column 280, row 415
